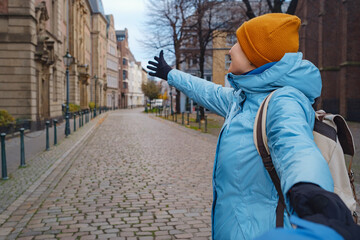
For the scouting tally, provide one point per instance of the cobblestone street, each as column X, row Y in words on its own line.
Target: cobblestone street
column 133, row 177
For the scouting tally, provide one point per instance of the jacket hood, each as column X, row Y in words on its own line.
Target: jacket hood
column 291, row 70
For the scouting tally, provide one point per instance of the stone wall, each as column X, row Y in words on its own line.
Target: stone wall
column 329, row 37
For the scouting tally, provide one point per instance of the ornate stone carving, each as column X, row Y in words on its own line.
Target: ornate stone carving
column 84, row 75
column 45, row 46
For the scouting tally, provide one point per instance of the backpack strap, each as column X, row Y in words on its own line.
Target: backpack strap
column 260, row 141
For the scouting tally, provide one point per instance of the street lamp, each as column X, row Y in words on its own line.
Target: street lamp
column 67, row 61
column 95, row 94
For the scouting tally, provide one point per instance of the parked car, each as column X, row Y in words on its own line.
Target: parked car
column 157, row 103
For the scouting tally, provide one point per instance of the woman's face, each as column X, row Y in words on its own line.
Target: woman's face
column 239, row 62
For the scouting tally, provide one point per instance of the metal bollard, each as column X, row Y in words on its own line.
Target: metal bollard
column 74, row 122
column 22, row 148
column 188, row 118
column 182, row 118
column 55, row 131
column 47, row 123
column 199, row 124
column 79, row 119
column 206, row 124
column 3, row 158
column 67, row 126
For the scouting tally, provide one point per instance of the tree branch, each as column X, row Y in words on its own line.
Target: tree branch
column 249, row 13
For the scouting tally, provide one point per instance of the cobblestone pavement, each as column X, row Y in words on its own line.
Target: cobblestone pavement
column 126, row 175
column 21, row 179
column 135, row 177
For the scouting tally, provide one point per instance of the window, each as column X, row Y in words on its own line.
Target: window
column 120, row 38
column 125, row 75
column 54, row 85
column 231, row 39
column 227, row 61
column 124, row 61
column 124, row 85
column 112, row 50
column 112, row 81
column 112, row 65
column 194, row 60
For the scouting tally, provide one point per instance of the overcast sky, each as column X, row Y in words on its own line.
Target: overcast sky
column 129, row 14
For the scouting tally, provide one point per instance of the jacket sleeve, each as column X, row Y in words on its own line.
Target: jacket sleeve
column 212, row 96
column 296, row 157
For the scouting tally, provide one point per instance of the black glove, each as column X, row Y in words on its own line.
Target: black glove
column 315, row 204
column 161, row 68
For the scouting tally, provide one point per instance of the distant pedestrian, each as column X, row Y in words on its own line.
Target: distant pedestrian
column 264, row 59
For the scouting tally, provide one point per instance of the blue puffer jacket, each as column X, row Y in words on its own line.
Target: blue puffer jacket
column 245, row 198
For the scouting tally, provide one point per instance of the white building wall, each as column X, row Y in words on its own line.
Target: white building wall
column 136, row 96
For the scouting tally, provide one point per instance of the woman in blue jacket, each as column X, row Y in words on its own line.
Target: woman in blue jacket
column 264, row 59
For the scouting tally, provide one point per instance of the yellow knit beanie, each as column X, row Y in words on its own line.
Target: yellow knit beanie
column 268, row 37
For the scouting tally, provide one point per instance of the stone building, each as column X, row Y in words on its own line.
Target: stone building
column 221, row 57
column 123, row 45
column 135, row 95
column 80, row 50
column 99, row 53
column 112, row 64
column 330, row 37
column 31, row 68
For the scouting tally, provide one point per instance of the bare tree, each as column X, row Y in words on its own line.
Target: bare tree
column 165, row 26
column 210, row 19
column 166, row 29
column 274, row 6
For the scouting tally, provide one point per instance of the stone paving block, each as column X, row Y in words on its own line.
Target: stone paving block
column 136, row 190
column 146, row 238
column 5, row 231
column 127, row 234
column 183, row 236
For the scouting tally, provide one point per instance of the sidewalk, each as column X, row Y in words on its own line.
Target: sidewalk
column 34, row 144
column 22, row 179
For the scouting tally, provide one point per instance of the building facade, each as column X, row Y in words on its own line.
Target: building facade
column 123, row 45
column 112, row 65
column 80, row 49
column 99, row 53
column 221, row 57
column 330, row 37
column 135, row 94
column 35, row 35
column 31, row 68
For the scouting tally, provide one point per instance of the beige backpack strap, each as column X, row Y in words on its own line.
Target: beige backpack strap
column 263, row 111
column 260, row 140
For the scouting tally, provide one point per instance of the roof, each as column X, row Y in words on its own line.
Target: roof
column 97, row 6
column 120, row 32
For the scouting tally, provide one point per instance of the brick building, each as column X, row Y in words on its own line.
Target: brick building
column 330, row 38
column 123, row 45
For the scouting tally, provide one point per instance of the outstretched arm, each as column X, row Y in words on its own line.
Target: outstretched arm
column 212, row 96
